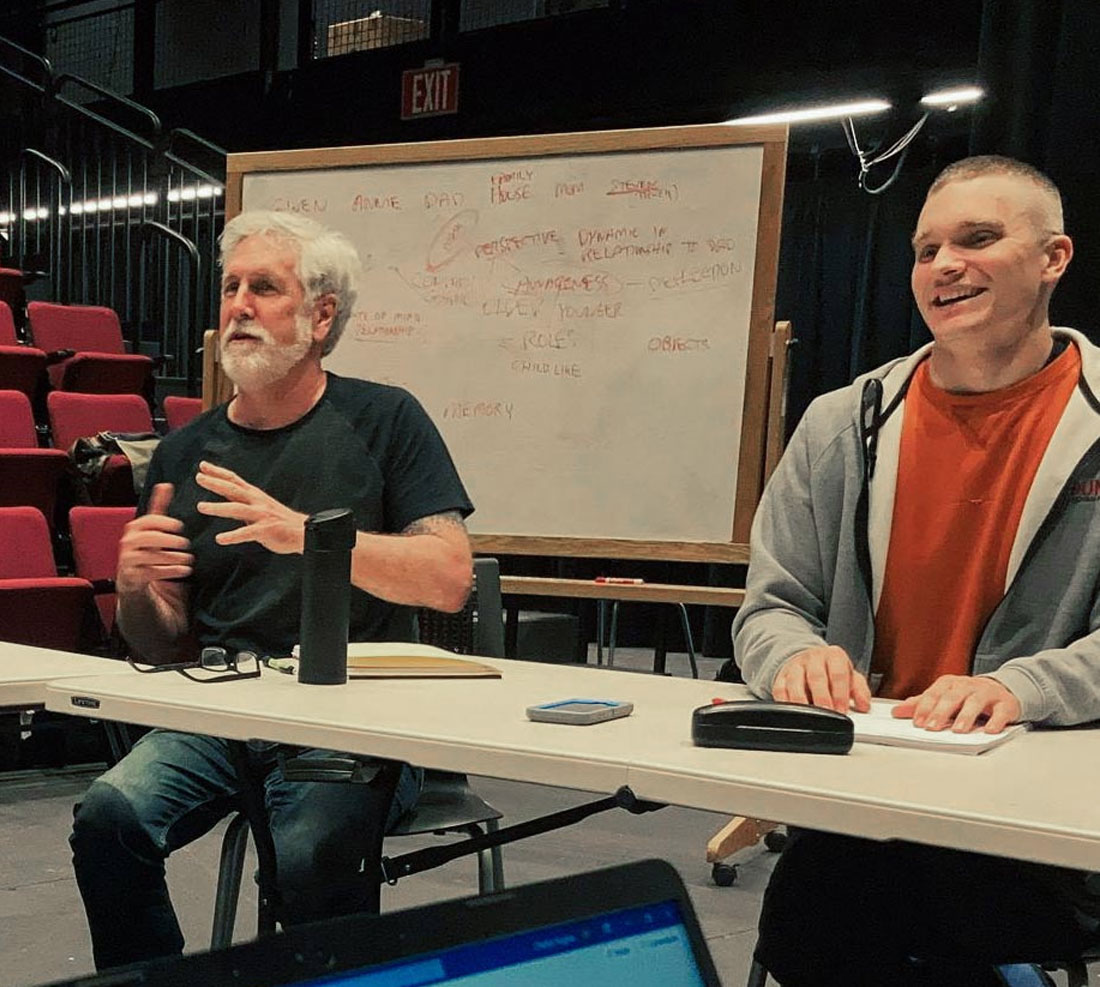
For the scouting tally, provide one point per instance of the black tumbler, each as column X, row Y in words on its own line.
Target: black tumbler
column 326, row 588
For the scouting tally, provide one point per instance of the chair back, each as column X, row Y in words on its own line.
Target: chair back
column 478, row 628
column 22, row 368
column 73, row 415
column 83, row 328
column 178, row 411
column 96, row 533
column 27, row 550
column 29, row 476
column 37, row 606
column 8, row 335
column 12, row 292
column 16, row 421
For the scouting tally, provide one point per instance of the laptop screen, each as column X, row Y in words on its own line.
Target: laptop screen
column 627, row 926
column 644, row 947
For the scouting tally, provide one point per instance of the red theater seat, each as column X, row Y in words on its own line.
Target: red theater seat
column 178, row 411
column 22, row 368
column 84, row 344
column 37, row 606
column 96, row 533
column 28, row 475
column 73, row 416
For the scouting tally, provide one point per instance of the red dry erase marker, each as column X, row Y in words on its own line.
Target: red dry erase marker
column 620, row 580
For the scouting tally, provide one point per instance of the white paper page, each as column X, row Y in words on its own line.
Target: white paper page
column 405, row 649
column 387, row 649
column 879, row 727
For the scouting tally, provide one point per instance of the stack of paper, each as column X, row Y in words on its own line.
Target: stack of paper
column 879, row 727
column 390, row 660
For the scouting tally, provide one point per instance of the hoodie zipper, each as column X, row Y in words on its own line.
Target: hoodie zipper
column 872, row 419
column 870, row 408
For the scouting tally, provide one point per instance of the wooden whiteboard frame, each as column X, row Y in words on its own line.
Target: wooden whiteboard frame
column 757, row 401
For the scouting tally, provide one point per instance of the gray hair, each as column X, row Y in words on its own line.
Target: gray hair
column 328, row 263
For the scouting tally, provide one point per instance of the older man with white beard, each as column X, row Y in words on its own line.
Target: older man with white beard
column 213, row 560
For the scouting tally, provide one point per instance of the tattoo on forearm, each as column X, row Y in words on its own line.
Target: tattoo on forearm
column 433, row 523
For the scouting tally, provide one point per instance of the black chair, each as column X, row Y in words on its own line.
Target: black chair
column 447, row 804
column 601, row 621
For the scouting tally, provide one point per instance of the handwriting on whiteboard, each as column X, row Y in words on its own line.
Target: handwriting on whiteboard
column 572, row 322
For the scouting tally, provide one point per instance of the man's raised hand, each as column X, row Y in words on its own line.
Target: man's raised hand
column 263, row 519
column 153, row 547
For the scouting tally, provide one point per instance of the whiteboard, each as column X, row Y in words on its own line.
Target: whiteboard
column 576, row 324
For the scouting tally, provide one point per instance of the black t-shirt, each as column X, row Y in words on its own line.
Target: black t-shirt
column 365, row 446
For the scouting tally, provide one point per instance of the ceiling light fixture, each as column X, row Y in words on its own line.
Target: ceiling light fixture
column 810, row 114
column 952, row 99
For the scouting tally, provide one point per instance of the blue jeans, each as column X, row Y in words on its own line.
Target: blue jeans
column 171, row 789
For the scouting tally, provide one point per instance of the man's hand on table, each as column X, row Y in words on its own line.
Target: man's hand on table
column 265, row 520
column 822, row 676
column 961, row 702
column 826, row 677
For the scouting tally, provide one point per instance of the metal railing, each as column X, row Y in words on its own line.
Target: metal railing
column 51, row 218
column 106, row 208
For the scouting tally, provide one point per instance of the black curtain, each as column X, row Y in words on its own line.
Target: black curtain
column 1038, row 63
column 845, row 258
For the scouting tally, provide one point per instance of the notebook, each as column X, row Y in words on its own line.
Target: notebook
column 407, row 661
column 879, row 727
column 397, row 660
column 631, row 925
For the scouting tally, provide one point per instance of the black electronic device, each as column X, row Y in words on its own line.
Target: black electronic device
column 764, row 726
column 626, row 926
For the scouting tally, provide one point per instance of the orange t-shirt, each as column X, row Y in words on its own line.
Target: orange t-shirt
column 966, row 464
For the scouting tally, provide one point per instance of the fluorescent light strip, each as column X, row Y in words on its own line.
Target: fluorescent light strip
column 190, row 192
column 135, row 201
column 810, row 114
column 953, row 97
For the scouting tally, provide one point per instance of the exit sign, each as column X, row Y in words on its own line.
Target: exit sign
column 429, row 91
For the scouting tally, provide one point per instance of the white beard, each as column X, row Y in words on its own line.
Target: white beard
column 259, row 365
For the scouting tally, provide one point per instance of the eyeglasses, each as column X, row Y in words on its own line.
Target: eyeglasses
column 214, row 664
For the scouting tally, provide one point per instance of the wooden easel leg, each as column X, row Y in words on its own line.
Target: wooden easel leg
column 740, row 832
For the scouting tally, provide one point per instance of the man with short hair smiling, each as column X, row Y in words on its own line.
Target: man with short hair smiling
column 214, row 559
column 926, row 538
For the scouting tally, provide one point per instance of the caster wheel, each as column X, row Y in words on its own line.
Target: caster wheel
column 775, row 841
column 723, row 874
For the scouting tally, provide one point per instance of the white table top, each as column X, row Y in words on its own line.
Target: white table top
column 1029, row 799
column 24, row 672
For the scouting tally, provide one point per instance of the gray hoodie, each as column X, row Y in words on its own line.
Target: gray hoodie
column 820, row 536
